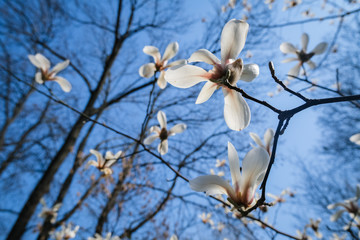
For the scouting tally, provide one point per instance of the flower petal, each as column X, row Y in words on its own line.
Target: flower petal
column 337, row 215
column 170, row 51
column 147, row 70
column 150, row 139
column 44, row 62
column 178, row 128
column 311, row 64
column 118, row 154
column 155, row 129
column 320, row 48
column 161, row 80
column 38, row 78
column 60, row 66
column 64, row 84
column 233, row 39
column 294, row 72
column 206, row 92
column 177, row 62
column 355, row 138
column 236, row 110
column 250, row 72
column 152, row 51
column 256, row 139
column 204, row 55
column 289, row 60
column 163, row 147
column 288, row 48
column 304, row 41
column 98, row 156
column 185, row 76
column 268, row 137
column 34, row 61
column 161, row 117
column 211, row 185
column 234, row 166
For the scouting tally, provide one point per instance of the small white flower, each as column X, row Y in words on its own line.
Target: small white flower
column 301, row 55
column 314, row 225
column 220, row 173
column 268, row 140
column 228, row 70
column 47, row 74
column 355, row 138
column 66, row 232
column 162, row 133
column 220, row 163
column 107, row 237
column 148, row 70
column 269, row 3
column 244, row 183
column 104, row 165
column 49, row 212
column 206, row 218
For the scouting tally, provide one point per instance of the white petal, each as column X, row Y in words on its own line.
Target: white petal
column 34, row 61
column 161, row 80
column 288, row 48
column 311, row 64
column 155, row 129
column 250, row 72
column 337, row 215
column 268, row 137
column 170, row 51
column 355, row 138
column 161, row 117
column 163, row 147
column 147, row 70
column 44, row 62
column 294, row 72
column 98, row 156
column 289, row 60
column 234, row 166
column 109, row 155
column 118, row 154
column 204, row 55
column 304, row 41
column 64, row 84
column 152, row 51
column 150, row 139
column 185, row 76
column 206, row 92
column 236, row 110
column 178, row 128
column 256, row 139
column 38, row 78
column 233, row 39
column 109, row 163
column 177, row 62
column 211, row 185
column 320, row 48
column 60, row 66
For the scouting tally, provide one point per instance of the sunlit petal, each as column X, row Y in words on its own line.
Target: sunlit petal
column 320, row 48
column 256, row 139
column 161, row 117
column 44, row 62
column 38, row 78
column 147, row 70
column 204, row 55
column 234, row 166
column 98, row 156
column 304, row 41
column 294, row 72
column 185, row 76
column 175, row 63
column 206, row 92
column 236, row 110
column 64, row 84
column 211, row 185
column 152, row 51
column 155, row 129
column 34, row 61
column 288, row 48
column 163, row 147
column 355, row 138
column 150, row 139
column 170, row 51
column 250, row 72
column 268, row 137
column 161, row 80
column 178, row 128
column 60, row 66
column 233, row 39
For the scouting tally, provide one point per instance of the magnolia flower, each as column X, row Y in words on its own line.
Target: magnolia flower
column 301, row 55
column 66, row 232
column 45, row 74
column 268, row 140
column 107, row 237
column 220, row 163
column 49, row 212
column 291, row 4
column 350, row 205
column 148, row 70
column 162, row 133
column 244, row 183
column 303, row 235
column 220, row 226
column 277, row 199
column 104, row 165
column 355, row 138
column 314, row 225
column 206, row 218
column 228, row 70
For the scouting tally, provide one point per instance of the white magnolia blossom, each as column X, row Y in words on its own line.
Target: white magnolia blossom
column 314, row 225
column 107, row 237
column 228, row 70
column 350, row 205
column 268, row 140
column 301, row 54
column 220, row 163
column 303, row 235
column 49, row 212
column 355, row 138
column 162, row 133
column 104, row 165
column 206, row 218
column 148, row 70
column 244, row 183
column 66, row 232
column 47, row 74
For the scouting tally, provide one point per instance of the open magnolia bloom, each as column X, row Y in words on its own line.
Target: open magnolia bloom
column 162, row 133
column 49, row 212
column 301, row 55
column 350, row 205
column 107, row 237
column 355, row 138
column 66, row 232
column 148, row 70
column 244, row 183
column 104, row 165
column 47, row 74
column 268, row 140
column 228, row 70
